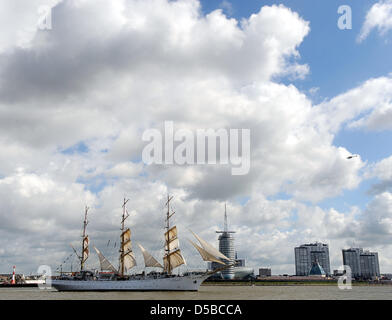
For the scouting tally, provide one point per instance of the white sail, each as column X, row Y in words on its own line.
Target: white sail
column 105, row 263
column 172, row 233
column 206, row 255
column 174, row 244
column 129, row 261
column 175, row 258
column 149, row 260
column 210, row 249
column 128, row 256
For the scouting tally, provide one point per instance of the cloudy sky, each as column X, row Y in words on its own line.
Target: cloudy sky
column 76, row 98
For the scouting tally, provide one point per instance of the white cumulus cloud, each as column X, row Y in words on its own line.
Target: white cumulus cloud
column 76, row 100
column 379, row 17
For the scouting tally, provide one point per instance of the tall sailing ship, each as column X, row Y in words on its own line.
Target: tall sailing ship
column 117, row 279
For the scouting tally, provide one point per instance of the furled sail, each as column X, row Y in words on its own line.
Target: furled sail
column 85, row 252
column 210, row 249
column 174, row 258
column 206, row 255
column 149, row 260
column 127, row 254
column 105, row 263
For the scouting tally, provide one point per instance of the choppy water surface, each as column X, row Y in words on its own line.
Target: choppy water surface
column 212, row 293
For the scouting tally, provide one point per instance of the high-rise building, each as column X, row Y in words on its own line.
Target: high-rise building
column 307, row 254
column 351, row 258
column 369, row 265
column 363, row 264
column 226, row 246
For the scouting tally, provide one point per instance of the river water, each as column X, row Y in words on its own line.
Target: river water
column 212, row 293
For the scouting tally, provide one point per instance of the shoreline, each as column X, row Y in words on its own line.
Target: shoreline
column 241, row 283
column 275, row 283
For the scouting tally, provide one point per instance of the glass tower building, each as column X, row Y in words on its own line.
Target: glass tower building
column 226, row 246
column 363, row 264
column 307, row 254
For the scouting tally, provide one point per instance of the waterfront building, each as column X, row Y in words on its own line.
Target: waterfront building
column 316, row 270
column 264, row 272
column 369, row 265
column 363, row 264
column 387, row 276
column 239, row 262
column 307, row 254
column 226, row 246
column 351, row 258
column 240, row 271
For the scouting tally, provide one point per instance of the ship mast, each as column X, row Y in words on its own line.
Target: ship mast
column 167, row 247
column 173, row 257
column 85, row 250
column 125, row 215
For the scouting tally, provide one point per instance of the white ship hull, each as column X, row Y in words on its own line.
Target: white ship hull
column 177, row 283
